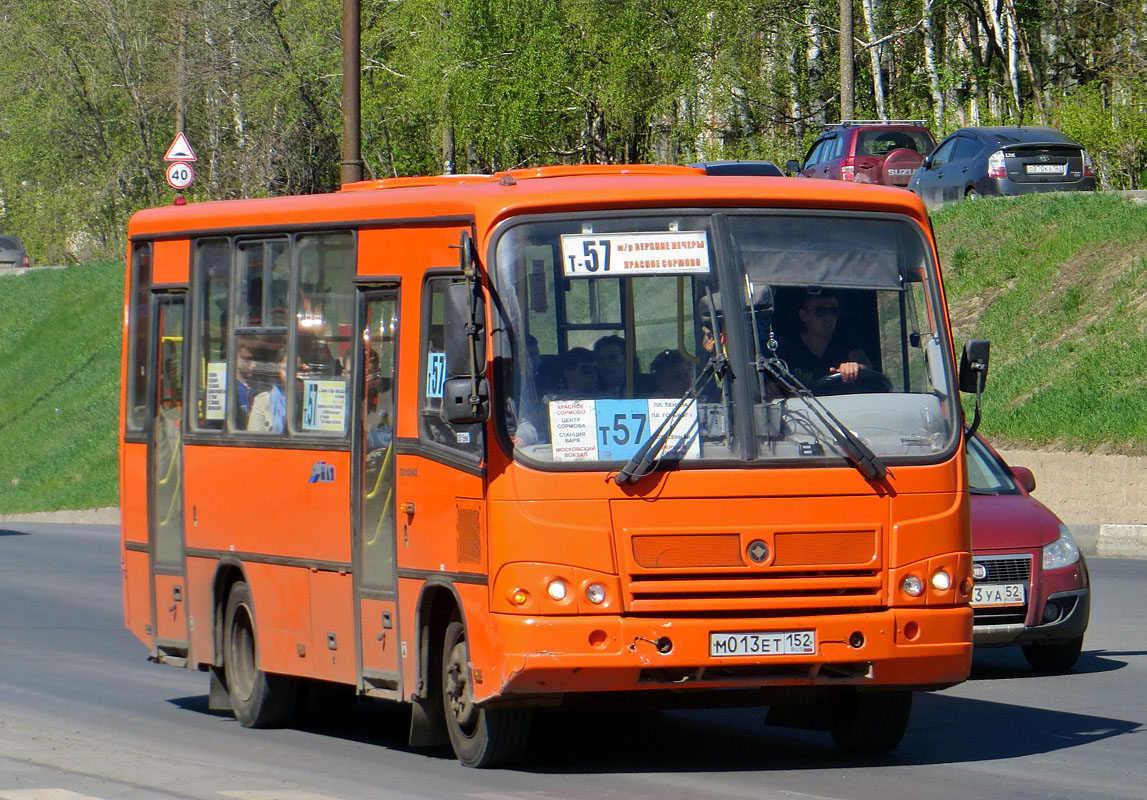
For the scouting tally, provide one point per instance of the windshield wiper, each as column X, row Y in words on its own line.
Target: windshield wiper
column 639, row 465
column 857, row 452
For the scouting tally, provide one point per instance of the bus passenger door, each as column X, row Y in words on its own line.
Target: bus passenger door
column 165, row 480
column 376, row 588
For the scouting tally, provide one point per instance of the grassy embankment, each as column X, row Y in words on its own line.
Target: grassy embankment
column 1058, row 283
column 59, row 387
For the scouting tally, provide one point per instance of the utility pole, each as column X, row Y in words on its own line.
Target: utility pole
column 847, row 66
column 351, row 168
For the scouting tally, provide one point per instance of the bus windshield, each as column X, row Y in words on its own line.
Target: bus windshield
column 726, row 336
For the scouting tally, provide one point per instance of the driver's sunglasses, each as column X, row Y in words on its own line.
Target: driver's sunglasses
column 827, row 311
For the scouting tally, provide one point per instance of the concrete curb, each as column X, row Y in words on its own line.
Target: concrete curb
column 83, row 516
column 1122, row 541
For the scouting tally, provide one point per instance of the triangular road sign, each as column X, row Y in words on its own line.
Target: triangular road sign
column 180, row 149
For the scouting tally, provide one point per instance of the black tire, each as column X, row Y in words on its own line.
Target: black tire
column 1054, row 657
column 258, row 700
column 869, row 723
column 481, row 737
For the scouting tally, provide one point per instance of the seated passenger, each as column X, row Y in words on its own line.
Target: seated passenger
column 245, row 385
column 672, row 374
column 610, row 354
column 269, row 409
column 579, row 375
column 818, row 351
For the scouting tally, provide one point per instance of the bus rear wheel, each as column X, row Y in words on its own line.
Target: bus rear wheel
column 481, row 737
column 258, row 700
column 869, row 723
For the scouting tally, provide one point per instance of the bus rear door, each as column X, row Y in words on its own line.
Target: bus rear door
column 376, row 584
column 165, row 480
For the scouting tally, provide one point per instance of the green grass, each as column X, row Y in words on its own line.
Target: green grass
column 59, row 387
column 1057, row 282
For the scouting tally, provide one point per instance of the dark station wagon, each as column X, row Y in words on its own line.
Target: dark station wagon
column 1005, row 160
column 12, row 253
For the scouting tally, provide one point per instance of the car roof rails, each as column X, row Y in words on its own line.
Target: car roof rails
column 850, row 122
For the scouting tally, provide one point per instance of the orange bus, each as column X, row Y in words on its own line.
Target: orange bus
column 550, row 437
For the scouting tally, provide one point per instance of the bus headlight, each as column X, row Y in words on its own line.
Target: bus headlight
column 595, row 593
column 912, row 586
column 557, row 590
column 941, row 580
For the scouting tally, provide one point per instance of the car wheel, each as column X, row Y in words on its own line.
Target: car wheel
column 481, row 737
column 1054, row 657
column 258, row 700
column 971, row 194
column 869, row 723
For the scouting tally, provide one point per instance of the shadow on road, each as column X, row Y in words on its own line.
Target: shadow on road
column 1009, row 663
column 10, row 532
column 945, row 729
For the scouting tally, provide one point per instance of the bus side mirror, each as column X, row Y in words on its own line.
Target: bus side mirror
column 974, row 365
column 464, row 402
column 466, row 395
column 974, row 374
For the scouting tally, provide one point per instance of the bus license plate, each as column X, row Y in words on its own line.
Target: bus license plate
column 763, row 643
column 998, row 594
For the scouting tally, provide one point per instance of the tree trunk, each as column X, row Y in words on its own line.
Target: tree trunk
column 847, row 65
column 932, row 65
column 874, row 58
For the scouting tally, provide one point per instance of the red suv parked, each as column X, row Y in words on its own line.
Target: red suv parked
column 868, row 151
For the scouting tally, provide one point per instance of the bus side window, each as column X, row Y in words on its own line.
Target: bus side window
column 213, row 271
column 139, row 315
column 260, row 336
column 432, row 427
column 324, row 316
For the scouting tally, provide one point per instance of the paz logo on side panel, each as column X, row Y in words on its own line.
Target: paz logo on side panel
column 180, row 149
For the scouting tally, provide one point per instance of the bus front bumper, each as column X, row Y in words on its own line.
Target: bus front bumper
column 925, row 648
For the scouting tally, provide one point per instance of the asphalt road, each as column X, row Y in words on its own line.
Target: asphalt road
column 84, row 715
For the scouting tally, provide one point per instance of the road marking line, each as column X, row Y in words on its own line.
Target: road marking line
column 277, row 794
column 44, row 794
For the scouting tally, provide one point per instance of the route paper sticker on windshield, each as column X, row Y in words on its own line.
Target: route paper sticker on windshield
column 614, row 430
column 590, row 255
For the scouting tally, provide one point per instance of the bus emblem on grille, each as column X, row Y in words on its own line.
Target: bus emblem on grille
column 758, row 551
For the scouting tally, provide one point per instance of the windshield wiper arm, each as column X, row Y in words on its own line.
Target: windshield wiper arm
column 639, row 465
column 856, row 451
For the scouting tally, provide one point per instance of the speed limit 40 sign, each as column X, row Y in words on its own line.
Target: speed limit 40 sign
column 180, row 175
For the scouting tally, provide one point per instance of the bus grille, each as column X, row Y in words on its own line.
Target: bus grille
column 775, row 593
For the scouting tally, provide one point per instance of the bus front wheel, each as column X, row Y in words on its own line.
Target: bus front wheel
column 258, row 700
column 481, row 737
column 869, row 723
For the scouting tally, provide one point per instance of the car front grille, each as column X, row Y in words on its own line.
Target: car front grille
column 1004, row 569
